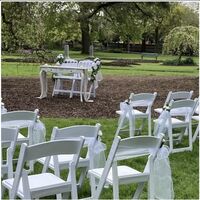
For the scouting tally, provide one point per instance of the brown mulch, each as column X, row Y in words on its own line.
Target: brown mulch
column 21, row 93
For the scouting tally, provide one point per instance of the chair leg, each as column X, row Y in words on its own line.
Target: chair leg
column 58, row 196
column 142, row 126
column 81, row 90
column 3, row 189
column 115, row 181
column 196, row 133
column 170, row 136
column 190, row 136
column 72, row 88
column 149, row 125
column 138, row 190
column 82, row 176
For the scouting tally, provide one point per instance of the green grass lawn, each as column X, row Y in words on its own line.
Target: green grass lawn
column 143, row 69
column 184, row 165
column 12, row 69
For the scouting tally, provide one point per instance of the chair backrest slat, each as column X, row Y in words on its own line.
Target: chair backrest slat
column 57, row 147
column 180, row 95
column 76, row 131
column 19, row 115
column 138, row 146
column 143, row 99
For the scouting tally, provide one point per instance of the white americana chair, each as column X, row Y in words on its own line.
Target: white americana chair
column 91, row 135
column 183, row 121
column 116, row 175
column 60, row 78
column 8, row 143
column 196, row 118
column 142, row 100
column 21, row 119
column 44, row 184
column 180, row 95
column 78, row 77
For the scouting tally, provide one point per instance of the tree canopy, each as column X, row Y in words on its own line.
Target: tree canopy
column 44, row 24
column 182, row 40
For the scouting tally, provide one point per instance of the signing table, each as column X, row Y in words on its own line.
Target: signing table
column 85, row 95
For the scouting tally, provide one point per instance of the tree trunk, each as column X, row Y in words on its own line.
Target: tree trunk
column 143, row 47
column 128, row 45
column 85, row 32
column 179, row 58
column 156, row 39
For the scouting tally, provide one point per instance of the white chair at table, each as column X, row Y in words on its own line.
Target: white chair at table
column 45, row 184
column 196, row 118
column 8, row 143
column 78, row 77
column 60, row 78
column 182, row 120
column 114, row 175
column 144, row 100
column 90, row 133
column 181, row 95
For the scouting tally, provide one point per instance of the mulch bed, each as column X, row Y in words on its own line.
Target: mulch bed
column 21, row 93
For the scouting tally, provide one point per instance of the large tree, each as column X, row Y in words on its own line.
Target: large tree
column 182, row 40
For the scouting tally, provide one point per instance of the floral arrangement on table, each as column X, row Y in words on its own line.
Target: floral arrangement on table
column 95, row 69
column 60, row 59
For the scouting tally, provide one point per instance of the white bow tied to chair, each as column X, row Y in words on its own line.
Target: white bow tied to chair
column 39, row 132
column 98, row 151
column 126, row 118
column 161, row 177
column 161, row 124
column 3, row 109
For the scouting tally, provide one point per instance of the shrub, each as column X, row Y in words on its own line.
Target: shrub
column 176, row 62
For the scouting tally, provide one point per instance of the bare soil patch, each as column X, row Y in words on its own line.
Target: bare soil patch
column 21, row 93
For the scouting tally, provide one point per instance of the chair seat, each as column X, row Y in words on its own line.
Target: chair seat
column 37, row 182
column 66, row 77
column 137, row 113
column 178, row 123
column 195, row 118
column 158, row 110
column 64, row 161
column 124, row 172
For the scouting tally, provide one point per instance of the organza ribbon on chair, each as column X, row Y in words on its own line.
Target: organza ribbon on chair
column 161, row 176
column 39, row 132
column 97, row 149
column 3, row 109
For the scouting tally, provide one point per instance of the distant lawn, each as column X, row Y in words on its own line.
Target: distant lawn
column 102, row 55
column 13, row 69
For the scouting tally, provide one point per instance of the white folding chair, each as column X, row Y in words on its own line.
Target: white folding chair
column 126, row 120
column 146, row 101
column 45, row 184
column 91, row 135
column 196, row 118
column 181, row 95
column 8, row 143
column 114, row 175
column 85, row 64
column 183, row 121
column 60, row 78
column 21, row 119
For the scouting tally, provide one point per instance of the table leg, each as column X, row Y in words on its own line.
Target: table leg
column 43, row 84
